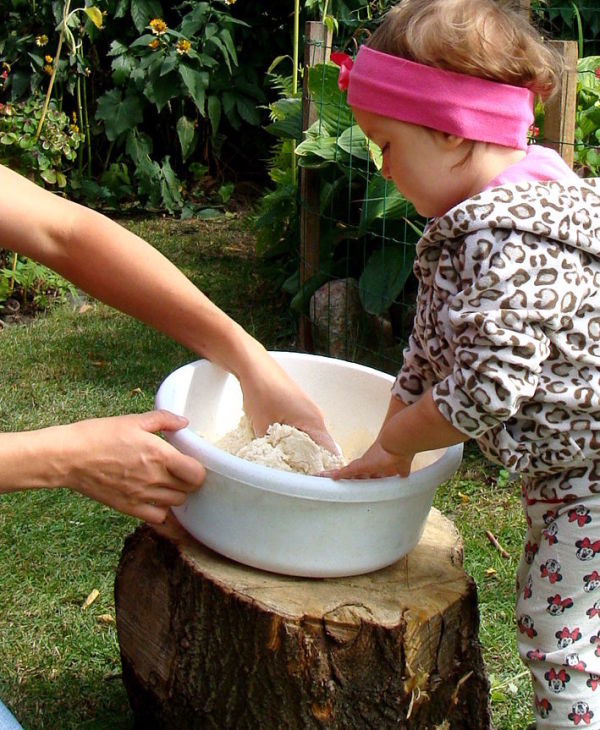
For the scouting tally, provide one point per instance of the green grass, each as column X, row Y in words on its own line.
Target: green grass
column 480, row 497
column 60, row 661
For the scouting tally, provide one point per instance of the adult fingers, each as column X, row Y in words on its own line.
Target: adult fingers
column 187, row 472
column 323, row 438
column 162, row 420
column 152, row 513
column 164, row 496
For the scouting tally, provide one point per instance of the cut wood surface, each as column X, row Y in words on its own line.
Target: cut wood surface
column 209, row 643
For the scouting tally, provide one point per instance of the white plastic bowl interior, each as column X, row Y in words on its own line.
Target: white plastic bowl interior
column 292, row 523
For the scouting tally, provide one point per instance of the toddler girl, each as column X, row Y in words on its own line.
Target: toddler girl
column 505, row 346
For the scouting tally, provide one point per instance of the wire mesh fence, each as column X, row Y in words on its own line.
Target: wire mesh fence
column 358, row 234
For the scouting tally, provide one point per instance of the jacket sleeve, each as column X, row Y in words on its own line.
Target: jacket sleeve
column 416, row 375
column 513, row 310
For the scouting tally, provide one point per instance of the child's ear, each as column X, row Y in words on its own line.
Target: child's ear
column 452, row 141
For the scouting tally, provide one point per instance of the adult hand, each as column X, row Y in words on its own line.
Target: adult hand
column 271, row 396
column 120, row 462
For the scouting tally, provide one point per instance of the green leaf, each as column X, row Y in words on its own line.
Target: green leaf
column 122, row 8
column 214, row 112
column 122, row 67
column 138, row 146
column 382, row 199
column 117, row 49
column 186, row 133
column 49, row 176
column 228, row 101
column 301, row 299
column 226, row 191
column 160, row 89
column 119, row 113
column 220, row 45
column 170, row 187
column 170, row 62
column 354, row 142
column 287, row 118
column 322, row 148
column 209, row 213
column 142, row 12
column 384, row 277
column 195, row 19
column 586, row 72
column 228, row 41
column 142, row 41
column 248, row 111
column 196, row 83
column 329, row 101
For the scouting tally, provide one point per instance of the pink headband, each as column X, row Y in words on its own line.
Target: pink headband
column 467, row 106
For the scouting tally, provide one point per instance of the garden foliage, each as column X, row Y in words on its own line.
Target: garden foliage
column 587, row 130
column 152, row 102
column 154, row 88
column 367, row 229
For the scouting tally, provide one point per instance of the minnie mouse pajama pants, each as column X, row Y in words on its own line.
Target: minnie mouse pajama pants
column 558, row 607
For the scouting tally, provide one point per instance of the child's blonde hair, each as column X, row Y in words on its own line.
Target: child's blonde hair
column 484, row 38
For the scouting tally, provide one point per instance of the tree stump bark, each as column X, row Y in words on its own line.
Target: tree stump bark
column 208, row 643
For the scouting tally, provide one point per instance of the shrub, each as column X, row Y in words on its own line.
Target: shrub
column 45, row 159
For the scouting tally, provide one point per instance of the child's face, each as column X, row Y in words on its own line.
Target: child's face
column 418, row 162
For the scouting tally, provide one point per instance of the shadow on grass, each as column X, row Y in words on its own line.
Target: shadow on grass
column 69, row 702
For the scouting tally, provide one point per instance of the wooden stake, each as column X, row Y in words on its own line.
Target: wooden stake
column 317, row 48
column 559, row 121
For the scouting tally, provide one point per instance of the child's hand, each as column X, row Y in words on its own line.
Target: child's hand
column 120, row 462
column 374, row 463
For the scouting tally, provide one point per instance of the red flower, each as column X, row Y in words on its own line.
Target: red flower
column 597, row 72
column 345, row 63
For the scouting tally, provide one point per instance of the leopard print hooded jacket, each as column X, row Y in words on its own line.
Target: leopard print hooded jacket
column 507, row 327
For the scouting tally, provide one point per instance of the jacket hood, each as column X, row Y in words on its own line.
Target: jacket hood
column 567, row 211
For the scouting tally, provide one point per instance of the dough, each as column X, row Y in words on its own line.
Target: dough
column 283, row 447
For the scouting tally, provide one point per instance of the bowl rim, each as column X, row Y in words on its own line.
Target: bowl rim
column 292, row 484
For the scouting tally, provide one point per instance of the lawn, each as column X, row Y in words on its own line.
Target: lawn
column 61, row 665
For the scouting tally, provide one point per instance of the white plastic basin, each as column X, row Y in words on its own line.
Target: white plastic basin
column 292, row 523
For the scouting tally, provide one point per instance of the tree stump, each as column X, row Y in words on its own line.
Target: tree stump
column 209, row 643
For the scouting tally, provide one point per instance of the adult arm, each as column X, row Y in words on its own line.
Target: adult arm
column 116, row 266
column 117, row 461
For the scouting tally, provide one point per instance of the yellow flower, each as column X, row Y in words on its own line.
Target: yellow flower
column 48, row 59
column 182, row 46
column 158, row 26
column 74, row 128
column 48, row 69
column 74, row 117
column 41, row 40
column 230, row 2
column 154, row 44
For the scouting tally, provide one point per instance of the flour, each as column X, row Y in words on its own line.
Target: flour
column 283, row 447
